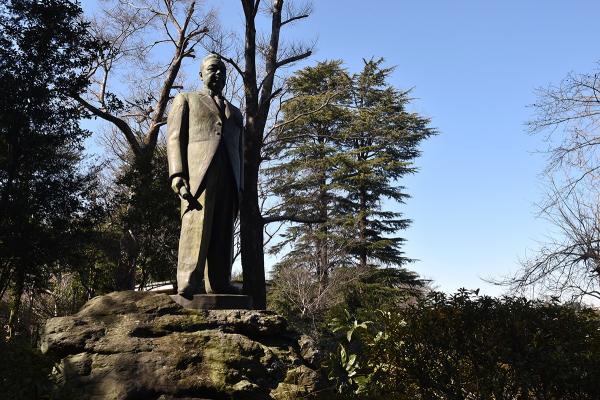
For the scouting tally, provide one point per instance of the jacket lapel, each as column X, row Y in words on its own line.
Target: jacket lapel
column 209, row 102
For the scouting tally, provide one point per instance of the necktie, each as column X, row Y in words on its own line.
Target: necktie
column 219, row 101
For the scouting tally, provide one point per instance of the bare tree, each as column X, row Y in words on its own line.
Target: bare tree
column 138, row 33
column 568, row 115
column 567, row 265
column 146, row 44
column 311, row 292
column 258, row 68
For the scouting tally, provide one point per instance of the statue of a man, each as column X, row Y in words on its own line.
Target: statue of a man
column 205, row 153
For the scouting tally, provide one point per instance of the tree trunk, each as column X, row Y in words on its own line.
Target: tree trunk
column 127, row 264
column 251, row 227
column 258, row 102
column 11, row 168
column 322, row 251
column 251, row 221
column 15, row 302
column 5, row 275
column 362, row 226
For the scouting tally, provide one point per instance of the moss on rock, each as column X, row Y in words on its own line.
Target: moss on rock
column 133, row 345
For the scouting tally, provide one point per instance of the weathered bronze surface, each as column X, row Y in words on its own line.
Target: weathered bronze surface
column 205, row 154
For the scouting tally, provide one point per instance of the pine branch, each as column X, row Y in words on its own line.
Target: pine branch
column 293, row 218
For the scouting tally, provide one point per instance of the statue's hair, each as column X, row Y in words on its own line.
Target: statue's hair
column 212, row 57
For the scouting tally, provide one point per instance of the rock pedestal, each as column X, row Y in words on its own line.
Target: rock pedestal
column 144, row 346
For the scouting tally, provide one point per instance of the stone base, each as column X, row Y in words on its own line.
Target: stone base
column 142, row 345
column 215, row 302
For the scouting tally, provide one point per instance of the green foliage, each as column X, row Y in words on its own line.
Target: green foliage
column 301, row 178
column 44, row 191
column 344, row 143
column 343, row 366
column 464, row 346
column 374, row 288
column 378, row 148
column 342, row 146
column 147, row 207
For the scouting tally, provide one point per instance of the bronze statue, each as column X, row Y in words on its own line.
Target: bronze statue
column 205, row 153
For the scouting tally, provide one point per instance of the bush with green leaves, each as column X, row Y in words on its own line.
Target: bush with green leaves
column 469, row 347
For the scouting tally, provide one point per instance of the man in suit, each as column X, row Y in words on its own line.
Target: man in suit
column 205, row 154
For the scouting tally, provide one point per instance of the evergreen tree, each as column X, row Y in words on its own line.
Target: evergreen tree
column 341, row 165
column 301, row 178
column 377, row 149
column 334, row 169
column 44, row 48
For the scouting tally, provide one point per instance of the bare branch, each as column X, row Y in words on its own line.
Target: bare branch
column 567, row 265
column 233, row 64
column 267, row 82
column 295, row 18
column 255, row 10
column 118, row 122
column 293, row 12
column 126, row 28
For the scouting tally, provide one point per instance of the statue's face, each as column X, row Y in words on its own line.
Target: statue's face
column 213, row 75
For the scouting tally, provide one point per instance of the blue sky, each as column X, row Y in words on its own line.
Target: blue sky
column 474, row 65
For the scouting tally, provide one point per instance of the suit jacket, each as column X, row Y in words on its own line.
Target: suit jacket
column 195, row 127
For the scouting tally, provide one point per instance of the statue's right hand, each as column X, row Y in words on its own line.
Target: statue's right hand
column 179, row 182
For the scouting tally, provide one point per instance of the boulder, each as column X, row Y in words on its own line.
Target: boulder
column 142, row 345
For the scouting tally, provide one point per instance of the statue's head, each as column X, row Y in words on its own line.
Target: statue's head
column 212, row 73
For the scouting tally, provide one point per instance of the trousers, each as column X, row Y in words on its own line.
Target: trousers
column 207, row 228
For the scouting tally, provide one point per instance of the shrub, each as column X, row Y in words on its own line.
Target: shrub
column 469, row 347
